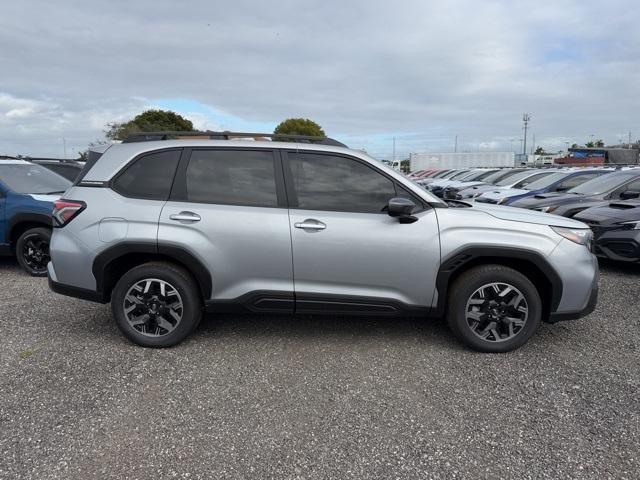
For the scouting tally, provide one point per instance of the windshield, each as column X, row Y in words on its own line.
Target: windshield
column 545, row 181
column 458, row 175
column 500, row 175
column 441, row 173
column 511, row 179
column 28, row 178
column 495, row 176
column 481, row 175
column 603, row 184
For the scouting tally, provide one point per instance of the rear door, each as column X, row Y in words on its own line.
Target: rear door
column 348, row 254
column 228, row 208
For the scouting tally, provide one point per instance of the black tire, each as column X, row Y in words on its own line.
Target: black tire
column 176, row 278
column 32, row 251
column 466, row 289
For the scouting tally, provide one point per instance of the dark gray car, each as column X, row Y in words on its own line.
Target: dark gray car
column 621, row 185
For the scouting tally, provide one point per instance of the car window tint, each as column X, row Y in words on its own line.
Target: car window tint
column 232, row 177
column 30, row 178
column 149, row 177
column 578, row 180
column 634, row 186
column 530, row 179
column 327, row 182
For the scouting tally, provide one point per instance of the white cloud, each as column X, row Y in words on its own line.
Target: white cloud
column 362, row 69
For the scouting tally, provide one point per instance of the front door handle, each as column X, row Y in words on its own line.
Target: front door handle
column 310, row 224
column 185, row 217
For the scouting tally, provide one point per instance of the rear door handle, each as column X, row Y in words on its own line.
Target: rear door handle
column 310, row 224
column 185, row 217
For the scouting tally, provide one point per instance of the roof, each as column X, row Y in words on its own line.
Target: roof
column 12, row 162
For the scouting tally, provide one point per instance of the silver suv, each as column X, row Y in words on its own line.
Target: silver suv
column 168, row 229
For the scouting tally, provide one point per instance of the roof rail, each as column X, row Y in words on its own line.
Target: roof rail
column 152, row 136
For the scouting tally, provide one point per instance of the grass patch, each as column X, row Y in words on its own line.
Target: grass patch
column 28, row 353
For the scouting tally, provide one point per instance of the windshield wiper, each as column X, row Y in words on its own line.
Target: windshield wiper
column 52, row 193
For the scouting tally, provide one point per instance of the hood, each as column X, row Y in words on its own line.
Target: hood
column 527, row 216
column 614, row 212
column 499, row 193
column 549, row 199
column 470, row 184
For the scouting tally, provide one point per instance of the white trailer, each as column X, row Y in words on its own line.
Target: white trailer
column 423, row 161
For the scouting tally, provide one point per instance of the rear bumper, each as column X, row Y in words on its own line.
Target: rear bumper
column 70, row 290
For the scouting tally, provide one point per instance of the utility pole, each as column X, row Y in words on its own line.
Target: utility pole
column 455, row 147
column 629, row 139
column 534, row 143
column 64, row 147
column 525, row 118
column 393, row 158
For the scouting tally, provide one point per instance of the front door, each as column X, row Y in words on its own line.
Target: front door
column 348, row 254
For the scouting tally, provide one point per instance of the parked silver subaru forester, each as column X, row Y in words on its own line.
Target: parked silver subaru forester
column 166, row 229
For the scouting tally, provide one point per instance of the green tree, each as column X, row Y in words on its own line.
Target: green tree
column 540, row 151
column 149, row 121
column 589, row 144
column 599, row 143
column 299, row 126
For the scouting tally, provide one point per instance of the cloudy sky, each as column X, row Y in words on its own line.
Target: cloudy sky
column 367, row 71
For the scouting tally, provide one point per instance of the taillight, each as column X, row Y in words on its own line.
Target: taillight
column 66, row 210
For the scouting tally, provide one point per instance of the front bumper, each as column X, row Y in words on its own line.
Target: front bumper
column 618, row 245
column 589, row 308
column 579, row 272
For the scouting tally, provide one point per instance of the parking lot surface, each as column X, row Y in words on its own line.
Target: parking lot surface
column 285, row 397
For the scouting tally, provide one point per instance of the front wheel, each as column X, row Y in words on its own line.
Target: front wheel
column 32, row 251
column 156, row 304
column 493, row 308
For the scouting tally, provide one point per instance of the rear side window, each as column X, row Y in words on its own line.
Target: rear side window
column 149, row 177
column 232, row 177
column 327, row 182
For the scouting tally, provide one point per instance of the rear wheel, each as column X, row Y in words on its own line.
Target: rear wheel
column 32, row 251
column 493, row 308
column 156, row 304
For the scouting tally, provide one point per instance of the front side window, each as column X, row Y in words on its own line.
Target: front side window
column 603, row 184
column 149, row 177
column 232, row 177
column 328, row 182
column 30, row 178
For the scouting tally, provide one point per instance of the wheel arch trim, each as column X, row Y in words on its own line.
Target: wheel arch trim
column 470, row 256
column 106, row 258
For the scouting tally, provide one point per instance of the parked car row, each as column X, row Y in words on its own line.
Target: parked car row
column 605, row 198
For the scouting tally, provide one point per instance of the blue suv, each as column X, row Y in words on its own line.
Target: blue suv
column 27, row 194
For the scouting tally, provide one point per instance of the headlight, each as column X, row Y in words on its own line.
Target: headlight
column 581, row 236
column 549, row 209
column 634, row 225
column 503, row 200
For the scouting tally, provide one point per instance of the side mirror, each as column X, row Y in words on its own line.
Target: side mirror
column 401, row 208
column 629, row 194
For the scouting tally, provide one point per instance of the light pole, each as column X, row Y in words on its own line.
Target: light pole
column 525, row 118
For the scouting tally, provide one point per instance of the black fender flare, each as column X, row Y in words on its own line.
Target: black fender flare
column 179, row 254
column 465, row 257
column 28, row 217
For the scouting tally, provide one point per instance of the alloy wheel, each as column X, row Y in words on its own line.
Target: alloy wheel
column 497, row 312
column 35, row 252
column 153, row 307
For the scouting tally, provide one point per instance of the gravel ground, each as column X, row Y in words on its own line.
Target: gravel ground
column 281, row 397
